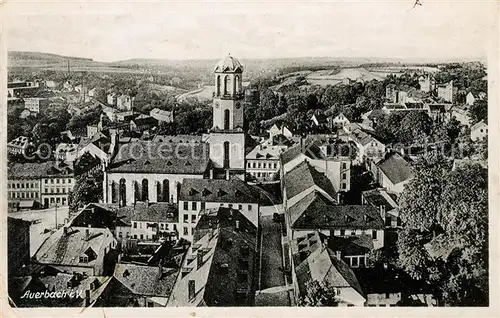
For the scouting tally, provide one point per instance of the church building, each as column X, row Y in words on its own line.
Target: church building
column 153, row 171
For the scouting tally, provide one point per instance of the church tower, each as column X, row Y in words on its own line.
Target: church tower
column 227, row 138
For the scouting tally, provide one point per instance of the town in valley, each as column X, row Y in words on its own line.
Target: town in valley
column 187, row 162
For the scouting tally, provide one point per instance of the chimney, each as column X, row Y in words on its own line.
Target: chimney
column 199, row 259
column 191, row 289
column 160, row 269
column 237, row 225
column 339, row 198
column 87, row 297
column 227, row 174
column 87, row 234
column 382, row 212
column 211, row 173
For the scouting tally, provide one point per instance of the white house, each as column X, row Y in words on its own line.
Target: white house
column 479, row 131
column 339, row 121
column 471, row 98
column 279, row 129
column 393, row 172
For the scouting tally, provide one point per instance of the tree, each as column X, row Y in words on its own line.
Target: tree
column 88, row 182
column 479, row 111
column 414, row 127
column 268, row 104
column 318, row 294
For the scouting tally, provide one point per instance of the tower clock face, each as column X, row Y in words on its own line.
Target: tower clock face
column 216, row 105
column 238, row 105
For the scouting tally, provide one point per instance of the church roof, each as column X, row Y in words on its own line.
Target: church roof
column 229, row 64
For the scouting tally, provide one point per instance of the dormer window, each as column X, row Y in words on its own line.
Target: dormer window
column 205, row 192
column 84, row 258
column 221, row 193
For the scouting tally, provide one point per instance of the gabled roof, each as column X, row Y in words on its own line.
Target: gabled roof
column 32, row 170
column 395, row 168
column 351, row 245
column 381, row 197
column 151, row 281
column 478, row 125
column 361, row 137
column 308, row 148
column 150, row 212
column 265, row 152
column 178, row 138
column 149, row 121
column 314, row 211
column 217, row 190
column 161, row 157
column 304, row 176
column 322, row 266
column 66, row 249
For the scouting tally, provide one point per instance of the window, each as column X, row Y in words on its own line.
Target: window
column 186, row 205
column 57, row 180
column 387, row 295
column 57, row 190
column 253, row 164
column 63, row 181
column 258, row 174
column 185, row 231
column 135, row 225
column 259, row 165
column 344, row 186
column 344, row 176
column 230, row 205
column 354, row 262
column 142, row 236
column 193, row 218
column 249, row 165
column 46, row 190
column 249, row 207
column 193, row 206
column 162, row 226
column 135, row 236
column 186, row 218
column 51, row 180
column 192, row 231
column 22, row 195
column 46, row 181
column 374, row 234
column 120, row 235
column 275, row 165
column 202, row 205
column 264, row 165
column 240, row 206
column 353, row 232
column 342, row 232
column 84, row 259
column 344, row 165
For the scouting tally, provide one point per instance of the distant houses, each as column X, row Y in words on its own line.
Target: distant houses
column 479, row 131
column 162, row 115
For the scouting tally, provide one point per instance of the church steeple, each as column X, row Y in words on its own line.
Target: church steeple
column 227, row 138
column 228, row 93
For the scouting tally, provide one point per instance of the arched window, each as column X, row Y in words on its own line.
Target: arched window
column 159, row 195
column 137, row 191
column 145, row 190
column 114, row 192
column 236, row 86
column 218, row 85
column 226, row 118
column 122, row 189
column 226, row 154
column 226, row 85
column 166, row 190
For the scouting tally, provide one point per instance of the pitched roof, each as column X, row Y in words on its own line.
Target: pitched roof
column 66, row 249
column 146, row 280
column 304, row 176
column 308, row 148
column 151, row 212
column 351, row 245
column 19, row 142
column 149, row 121
column 177, row 138
column 322, row 266
column 395, row 168
column 362, row 137
column 161, row 157
column 314, row 211
column 478, row 125
column 218, row 190
column 32, row 170
column 379, row 197
column 265, row 152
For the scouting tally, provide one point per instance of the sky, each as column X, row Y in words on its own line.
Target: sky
column 112, row 31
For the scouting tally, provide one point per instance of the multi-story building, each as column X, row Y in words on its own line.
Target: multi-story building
column 219, row 268
column 83, row 250
column 263, row 162
column 124, row 102
column 29, row 184
column 18, row 146
column 34, row 104
column 162, row 115
column 196, row 195
column 447, row 92
column 479, row 131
